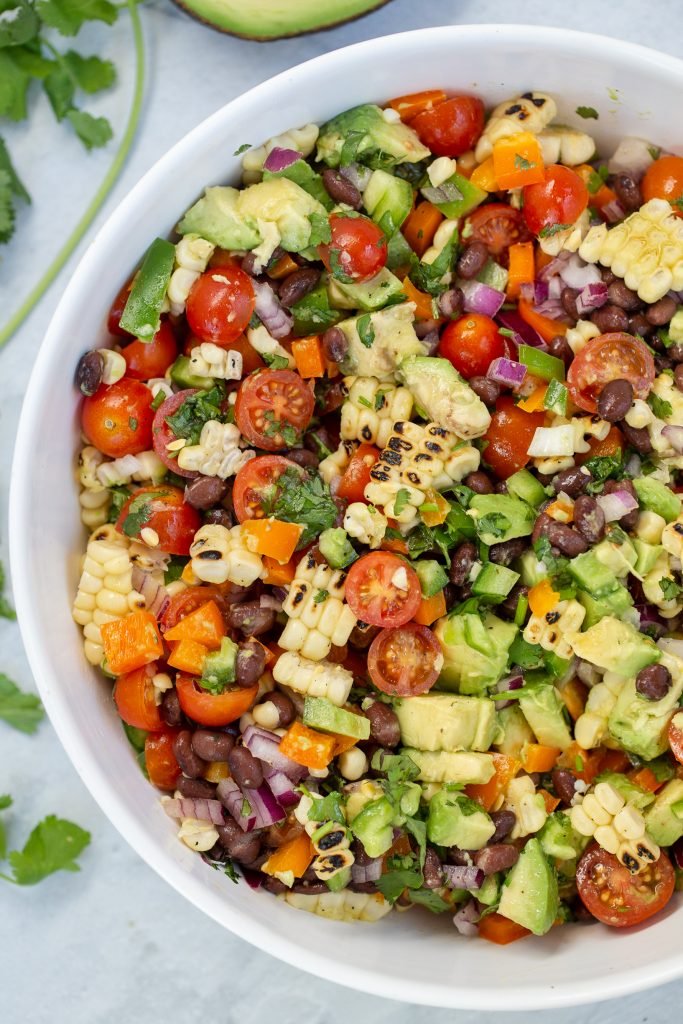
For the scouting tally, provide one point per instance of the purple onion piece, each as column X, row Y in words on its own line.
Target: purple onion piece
column 593, row 296
column 513, row 682
column 270, row 602
column 280, row 159
column 674, row 435
column 613, row 211
column 281, row 786
column 480, row 298
column 463, row 877
column 357, row 175
column 155, row 594
column 506, row 371
column 576, row 273
column 264, row 805
column 272, row 315
column 254, row 879
column 232, row 798
column 512, row 321
column 202, row 810
column 466, row 919
column 369, row 872
column 265, row 745
column 616, row 505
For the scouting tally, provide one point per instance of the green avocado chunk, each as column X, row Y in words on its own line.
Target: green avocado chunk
column 388, row 200
column 641, row 725
column 444, row 396
column 524, row 485
column 530, row 895
column 364, row 134
column 182, row 375
column 475, row 650
column 664, row 819
column 655, row 496
column 373, row 827
column 336, row 548
column 219, row 667
column 444, row 721
column 466, row 196
column 462, row 766
column 500, row 517
column 455, row 820
column 273, row 19
column 320, row 713
column 559, row 840
column 377, row 342
column 613, row 602
column 615, row 646
column 516, row 732
column 384, row 289
column 543, row 711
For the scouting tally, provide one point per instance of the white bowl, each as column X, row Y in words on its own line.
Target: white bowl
column 413, row 957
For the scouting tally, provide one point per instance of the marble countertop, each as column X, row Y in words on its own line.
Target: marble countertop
column 116, row 942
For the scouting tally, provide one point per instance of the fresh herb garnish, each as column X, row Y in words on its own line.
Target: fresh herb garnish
column 140, row 511
column 242, row 149
column 275, row 361
column 280, row 428
column 430, row 900
column 174, row 569
column 660, row 407
column 362, row 400
column 366, row 330
column 494, row 523
column 669, row 588
column 306, row 501
column 587, row 112
column 596, row 179
column 553, row 229
column 23, row 711
column 329, row 808
column 522, row 164
column 53, row 845
column 655, row 152
column 402, row 874
column 428, row 276
column 158, row 399
column 603, row 467
column 189, row 418
column 401, row 500
column 6, row 610
column 321, row 596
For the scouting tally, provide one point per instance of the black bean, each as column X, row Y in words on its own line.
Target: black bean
column 211, row 745
column 302, row 457
column 506, row 552
column 615, row 400
column 505, row 822
column 568, row 541
column 249, row 264
column 610, row 319
column 219, row 517
column 274, row 885
column 653, row 682
column 541, row 527
column 89, row 372
column 568, row 298
column 625, row 298
column 472, row 260
column 362, row 635
column 451, row 302
column 461, row 563
column 572, row 481
column 589, row 519
column 561, row 349
column 196, row 789
column 676, row 352
column 432, row 870
column 628, row 191
column 497, row 857
column 479, row 482
column 316, row 888
column 628, row 522
column 170, row 708
column 662, row 363
column 678, row 376
column 637, row 324
column 190, row 764
column 250, row 618
column 659, row 313
column 250, row 663
column 488, row 390
column 564, row 784
column 508, row 607
column 637, row 437
column 285, row 708
column 501, row 487
column 205, row 491
column 425, row 327
column 340, row 189
column 335, row 344
column 241, row 846
column 297, row 285
column 244, row 768
column 607, row 275
column 384, row 727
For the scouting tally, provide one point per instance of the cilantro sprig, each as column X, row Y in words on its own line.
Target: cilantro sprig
column 53, row 845
column 306, row 501
column 23, row 711
column 6, row 610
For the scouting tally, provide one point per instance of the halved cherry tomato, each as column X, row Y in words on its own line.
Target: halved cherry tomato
column 256, row 490
column 356, row 476
column 452, row 127
column 213, row 709
column 616, row 897
column 162, row 435
column 160, row 761
column 605, row 358
column 498, row 226
column 664, row 180
column 471, row 343
column 676, row 740
column 357, row 249
column 509, row 437
column 383, row 590
column 187, row 601
column 405, row 662
column 220, row 304
column 118, row 419
column 559, row 200
column 134, row 696
column 164, row 510
column 116, row 311
column 273, row 408
column 145, row 359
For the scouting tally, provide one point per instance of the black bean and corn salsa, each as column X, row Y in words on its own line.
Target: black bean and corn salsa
column 382, row 469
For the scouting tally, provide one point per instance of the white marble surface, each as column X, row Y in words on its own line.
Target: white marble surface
column 115, row 942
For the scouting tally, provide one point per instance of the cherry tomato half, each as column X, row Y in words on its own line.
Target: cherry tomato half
column 152, row 358
column 213, row 709
column 405, row 662
column 452, row 127
column 220, row 304
column 134, row 696
column 676, row 740
column 498, row 226
column 383, row 590
column 616, row 897
column 471, row 343
column 160, row 761
column 189, row 600
column 162, row 435
column 357, row 250
column 664, row 180
column 509, row 437
column 164, row 510
column 116, row 311
column 256, row 490
column 273, row 408
column 118, row 419
column 560, row 199
column 356, row 476
column 605, row 358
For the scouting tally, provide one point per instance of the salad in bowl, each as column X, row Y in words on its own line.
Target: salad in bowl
column 381, row 475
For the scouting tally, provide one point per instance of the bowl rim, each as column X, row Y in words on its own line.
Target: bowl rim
column 42, row 665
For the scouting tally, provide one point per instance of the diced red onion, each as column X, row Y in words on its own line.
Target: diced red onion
column 523, row 333
column 466, row 919
column 514, row 682
column 463, row 877
column 670, row 645
column 270, row 603
column 369, row 872
column 651, row 621
column 554, row 267
column 632, row 156
column 633, row 465
column 281, row 786
column 613, row 211
column 445, row 193
column 264, row 805
column 357, row 175
column 576, row 273
column 555, row 287
column 202, row 810
column 266, row 746
column 254, row 879
column 155, row 594
column 591, row 297
column 449, row 302
column 280, row 159
column 674, row 436
column 506, row 371
column 233, row 799
column 430, row 342
column 480, row 298
column 274, row 318
column 616, row 505
column 553, row 309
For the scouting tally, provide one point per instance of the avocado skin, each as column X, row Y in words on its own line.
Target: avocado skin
column 194, row 9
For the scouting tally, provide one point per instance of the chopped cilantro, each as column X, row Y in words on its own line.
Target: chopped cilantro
column 174, row 569
column 587, row 112
column 321, row 596
column 522, row 164
column 366, row 330
column 280, row 428
column 402, row 874
column 430, row 900
column 428, row 276
column 553, row 229
column 329, row 808
column 362, row 400
column 655, row 152
column 306, row 501
column 188, row 420
column 158, row 399
column 401, row 500
column 670, row 589
column 603, row 467
column 140, row 511
column 494, row 523
column 660, row 407
column 275, row 361
column 597, row 179
column 578, row 763
column 242, row 149
column 23, row 711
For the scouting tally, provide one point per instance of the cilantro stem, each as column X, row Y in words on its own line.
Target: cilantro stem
column 103, row 191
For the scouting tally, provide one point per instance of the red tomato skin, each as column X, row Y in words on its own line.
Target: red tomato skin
column 270, row 397
column 609, row 357
column 471, row 343
column 356, row 476
column 220, row 304
column 160, row 761
column 509, row 437
column 174, row 521
column 357, row 249
column 416, row 650
column 213, row 709
column 188, row 601
column 257, row 475
column 676, row 741
column 386, row 605
column 162, row 435
column 498, row 226
column 598, row 871
column 151, row 359
column 560, row 199
column 118, row 418
column 134, row 699
column 452, row 127
column 664, row 180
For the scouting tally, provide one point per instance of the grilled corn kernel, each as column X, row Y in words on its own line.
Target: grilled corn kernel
column 332, row 467
column 352, row 764
column 209, row 360
column 141, row 467
column 315, row 678
column 198, row 835
column 114, row 365
column 527, row 805
column 365, row 523
column 318, row 615
column 579, row 335
column 637, row 854
column 218, row 452
column 341, row 906
column 371, row 409
column 328, row 865
column 220, row 555
column 530, row 112
column 550, row 631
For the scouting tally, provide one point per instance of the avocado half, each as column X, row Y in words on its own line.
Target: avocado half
column 262, row 20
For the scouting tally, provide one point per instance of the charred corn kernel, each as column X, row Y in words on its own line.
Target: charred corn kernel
column 218, row 452
column 352, row 764
column 650, row 527
column 569, row 146
column 327, row 865
column 579, row 335
column 550, row 630
column 531, row 112
column 192, row 254
column 198, row 835
column 266, row 345
column 668, row 607
column 617, row 826
column 149, row 560
column 527, row 805
column 672, row 538
column 302, row 140
column 332, row 467
column 365, row 523
column 209, row 360
column 568, row 240
column 315, row 678
column 220, row 555
column 318, row 613
column 416, row 458
column 371, row 409
column 341, row 906
column 142, row 467
column 637, row 854
column 645, row 249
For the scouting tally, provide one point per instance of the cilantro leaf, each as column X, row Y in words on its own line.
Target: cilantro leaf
column 280, row 428
column 189, row 418
column 321, row 232
column 306, row 501
column 15, row 184
column 18, row 24
column 587, row 112
column 660, row 407
column 139, row 514
column 401, row 500
column 119, row 497
column 5, row 802
column 328, row 808
column 603, row 467
column 60, row 91
column 274, row 361
column 402, row 874
column 91, row 74
column 522, row 164
column 669, row 588
column 23, row 711
column 242, row 149
column 430, row 900
column 14, row 83
column 67, row 16
column 54, row 845
column 92, row 131
column 553, row 229
column 494, row 523
column 427, row 276
column 366, row 330
column 174, row 569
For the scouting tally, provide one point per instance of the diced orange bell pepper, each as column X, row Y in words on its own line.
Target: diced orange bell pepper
column 542, row 598
column 646, row 779
column 574, row 694
column 308, row 747
column 408, row 107
column 535, row 400
column 551, row 802
column 424, row 307
column 547, row 328
column 437, row 515
column 295, row 855
column 420, row 226
column 204, row 626
column 309, row 356
column 431, row 609
column 518, row 161
column 522, row 269
column 613, row 444
column 343, row 743
column 486, row 793
column 395, row 544
column 278, row 575
column 501, row 930
column 131, row 642
column 602, row 196
column 272, row 537
column 537, row 757
column 283, row 268
column 560, row 511
column 188, row 656
column 483, row 176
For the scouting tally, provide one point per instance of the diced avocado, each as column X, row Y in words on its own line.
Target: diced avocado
column 383, row 289
column 559, row 840
column 339, row 881
column 542, row 709
column 524, row 485
column 475, row 651
column 313, row 314
column 632, row 794
column 619, row 558
column 647, row 556
column 389, row 336
column 219, row 666
column 613, row 602
column 360, row 795
column 373, row 827
column 591, row 574
column 320, row 713
column 500, row 517
column 445, row 766
column 493, row 275
column 364, row 134
column 664, row 820
column 495, row 581
column 215, row 217
column 388, row 200
column 466, row 196
column 615, row 646
column 675, row 328
column 489, row 893
column 432, row 576
column 641, row 725
column 182, row 375
column 336, row 548
column 455, row 820
column 655, row 496
column 441, row 721
column 271, row 19
column 303, row 175
column 445, row 397
column 516, row 731
column 530, row 895
column 531, row 569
